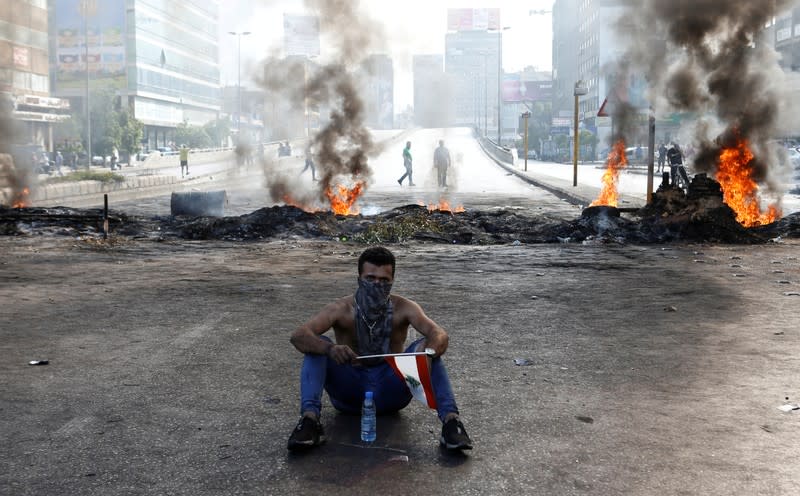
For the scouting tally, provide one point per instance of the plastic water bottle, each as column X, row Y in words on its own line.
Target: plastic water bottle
column 368, row 419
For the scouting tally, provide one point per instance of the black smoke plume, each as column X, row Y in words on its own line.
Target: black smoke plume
column 705, row 57
column 14, row 177
column 341, row 148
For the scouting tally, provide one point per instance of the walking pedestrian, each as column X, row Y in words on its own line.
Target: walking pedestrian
column 675, row 158
column 59, row 163
column 442, row 161
column 408, row 164
column 310, row 164
column 662, row 156
column 184, row 158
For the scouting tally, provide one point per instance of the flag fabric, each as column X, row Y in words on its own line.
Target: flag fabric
column 415, row 372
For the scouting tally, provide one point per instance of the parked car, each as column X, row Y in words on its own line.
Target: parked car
column 630, row 155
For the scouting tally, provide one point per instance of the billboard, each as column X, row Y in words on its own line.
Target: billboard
column 105, row 32
column 527, row 91
column 473, row 19
column 300, row 35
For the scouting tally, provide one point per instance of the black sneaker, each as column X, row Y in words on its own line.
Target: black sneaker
column 454, row 436
column 308, row 433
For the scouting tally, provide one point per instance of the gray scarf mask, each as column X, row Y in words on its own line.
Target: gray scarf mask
column 373, row 317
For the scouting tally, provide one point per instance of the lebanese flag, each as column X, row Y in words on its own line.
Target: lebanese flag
column 414, row 370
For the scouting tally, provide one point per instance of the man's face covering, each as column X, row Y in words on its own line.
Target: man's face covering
column 372, row 298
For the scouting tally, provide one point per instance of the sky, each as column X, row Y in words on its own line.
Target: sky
column 411, row 27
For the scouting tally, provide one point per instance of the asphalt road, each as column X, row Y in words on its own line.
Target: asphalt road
column 579, row 369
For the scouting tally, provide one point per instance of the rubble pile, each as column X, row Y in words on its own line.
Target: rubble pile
column 673, row 216
column 697, row 215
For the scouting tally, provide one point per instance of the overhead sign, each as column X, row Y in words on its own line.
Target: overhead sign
column 301, row 35
column 473, row 19
column 103, row 31
column 562, row 122
column 527, row 91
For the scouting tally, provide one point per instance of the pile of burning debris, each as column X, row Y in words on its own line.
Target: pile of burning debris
column 673, row 216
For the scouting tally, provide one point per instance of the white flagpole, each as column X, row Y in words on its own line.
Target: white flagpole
column 428, row 351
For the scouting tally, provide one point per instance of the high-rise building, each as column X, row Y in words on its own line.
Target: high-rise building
column 160, row 58
column 565, row 56
column 586, row 49
column 378, row 91
column 431, row 92
column 472, row 62
column 783, row 33
column 24, row 71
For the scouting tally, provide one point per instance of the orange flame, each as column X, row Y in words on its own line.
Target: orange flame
column 20, row 199
column 739, row 190
column 444, row 206
column 342, row 198
column 615, row 162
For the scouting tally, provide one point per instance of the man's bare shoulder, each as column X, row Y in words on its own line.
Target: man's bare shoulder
column 402, row 303
column 338, row 308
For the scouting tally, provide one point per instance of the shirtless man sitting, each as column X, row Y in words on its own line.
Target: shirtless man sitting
column 370, row 322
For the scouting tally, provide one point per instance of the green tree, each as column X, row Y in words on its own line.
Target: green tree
column 132, row 131
column 112, row 126
column 218, row 130
column 67, row 134
column 105, row 127
column 588, row 145
column 192, row 136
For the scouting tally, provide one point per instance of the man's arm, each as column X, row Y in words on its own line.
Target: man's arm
column 435, row 336
column 306, row 338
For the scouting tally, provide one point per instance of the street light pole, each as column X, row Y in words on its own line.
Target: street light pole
column 239, row 35
column 485, row 95
column 580, row 90
column 86, row 8
column 526, row 115
column 500, row 81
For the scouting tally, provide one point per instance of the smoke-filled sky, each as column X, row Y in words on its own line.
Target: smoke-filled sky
column 410, row 27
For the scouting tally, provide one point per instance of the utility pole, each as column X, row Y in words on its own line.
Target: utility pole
column 239, row 35
column 87, row 5
column 525, row 116
column 580, row 90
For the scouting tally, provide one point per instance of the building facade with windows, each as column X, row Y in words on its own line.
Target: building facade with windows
column 431, row 91
column 378, row 91
column 472, row 62
column 24, row 71
column 586, row 48
column 159, row 57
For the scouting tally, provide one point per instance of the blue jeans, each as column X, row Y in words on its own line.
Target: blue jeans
column 346, row 385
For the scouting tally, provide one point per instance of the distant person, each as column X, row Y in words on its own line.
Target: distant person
column 310, row 164
column 675, row 157
column 638, row 153
column 115, row 159
column 662, row 157
column 73, row 160
column 408, row 164
column 371, row 321
column 59, row 163
column 441, row 160
column 184, row 158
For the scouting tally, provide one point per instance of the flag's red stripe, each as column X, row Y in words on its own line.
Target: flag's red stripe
column 425, row 379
